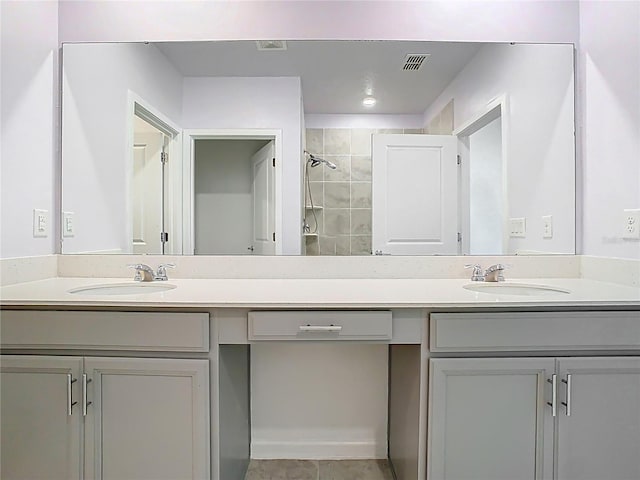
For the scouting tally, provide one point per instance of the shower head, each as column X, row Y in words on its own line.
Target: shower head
column 315, row 161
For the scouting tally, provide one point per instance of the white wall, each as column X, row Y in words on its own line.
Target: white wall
column 95, row 179
column 463, row 20
column 223, row 180
column 609, row 94
column 261, row 103
column 362, row 121
column 319, row 401
column 538, row 82
column 29, row 56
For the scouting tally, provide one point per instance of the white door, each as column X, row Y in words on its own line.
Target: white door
column 41, row 420
column 264, row 201
column 148, row 419
column 148, row 188
column 600, row 438
column 415, row 195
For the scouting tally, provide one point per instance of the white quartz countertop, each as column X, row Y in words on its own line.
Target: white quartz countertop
column 320, row 293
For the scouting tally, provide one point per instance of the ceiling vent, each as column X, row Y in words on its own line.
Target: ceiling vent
column 413, row 61
column 271, row 44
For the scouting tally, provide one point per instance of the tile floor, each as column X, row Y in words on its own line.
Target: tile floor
column 319, row 470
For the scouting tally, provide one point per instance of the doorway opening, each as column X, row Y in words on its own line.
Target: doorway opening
column 154, row 184
column 483, row 182
column 231, row 197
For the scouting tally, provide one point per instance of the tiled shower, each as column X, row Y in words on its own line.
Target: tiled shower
column 341, row 197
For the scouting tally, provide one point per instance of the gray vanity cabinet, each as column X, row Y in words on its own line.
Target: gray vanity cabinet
column 492, row 418
column 488, row 419
column 41, row 430
column 147, row 419
column 133, row 418
column 600, row 438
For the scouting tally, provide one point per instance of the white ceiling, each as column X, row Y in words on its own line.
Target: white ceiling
column 335, row 75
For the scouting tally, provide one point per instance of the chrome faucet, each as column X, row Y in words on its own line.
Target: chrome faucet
column 495, row 273
column 144, row 273
column 492, row 274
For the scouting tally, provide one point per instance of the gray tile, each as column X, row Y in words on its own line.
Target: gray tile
column 343, row 171
column 360, row 221
column 361, row 141
column 336, row 222
column 361, row 195
column 354, row 470
column 316, row 174
column 315, row 141
column 412, row 131
column 314, row 221
column 360, row 244
column 343, row 245
column 360, row 168
column 317, row 193
column 282, row 470
column 312, row 246
column 337, row 141
column 337, row 195
column 389, row 130
column 327, row 244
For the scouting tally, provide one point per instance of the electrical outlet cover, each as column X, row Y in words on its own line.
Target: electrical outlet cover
column 518, row 227
column 40, row 223
column 631, row 224
column 67, row 224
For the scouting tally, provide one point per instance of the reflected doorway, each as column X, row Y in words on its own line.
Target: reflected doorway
column 483, row 158
column 148, row 188
column 234, row 196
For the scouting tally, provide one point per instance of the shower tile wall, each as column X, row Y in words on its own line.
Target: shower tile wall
column 344, row 194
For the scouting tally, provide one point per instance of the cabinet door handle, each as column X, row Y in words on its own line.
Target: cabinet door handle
column 85, row 402
column 320, row 328
column 70, row 402
column 554, row 394
column 568, row 402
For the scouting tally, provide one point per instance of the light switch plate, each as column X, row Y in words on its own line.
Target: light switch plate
column 518, row 227
column 40, row 223
column 631, row 224
column 68, row 224
column 547, row 226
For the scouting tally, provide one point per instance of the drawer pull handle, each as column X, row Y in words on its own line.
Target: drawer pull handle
column 70, row 402
column 568, row 402
column 554, row 394
column 320, row 328
column 85, row 402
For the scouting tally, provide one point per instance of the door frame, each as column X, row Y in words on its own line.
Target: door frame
column 188, row 187
column 137, row 106
column 498, row 107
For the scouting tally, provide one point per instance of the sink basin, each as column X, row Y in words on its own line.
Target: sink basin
column 122, row 289
column 496, row 288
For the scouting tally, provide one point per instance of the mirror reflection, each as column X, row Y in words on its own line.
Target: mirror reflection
column 318, row 148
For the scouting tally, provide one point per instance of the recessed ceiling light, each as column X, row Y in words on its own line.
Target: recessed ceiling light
column 369, row 101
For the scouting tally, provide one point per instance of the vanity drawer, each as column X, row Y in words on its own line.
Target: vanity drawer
column 320, row 325
column 533, row 331
column 95, row 330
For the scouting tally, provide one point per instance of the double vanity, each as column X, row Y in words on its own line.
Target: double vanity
column 529, row 378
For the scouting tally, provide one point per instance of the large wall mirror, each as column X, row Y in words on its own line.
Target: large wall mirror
column 318, row 148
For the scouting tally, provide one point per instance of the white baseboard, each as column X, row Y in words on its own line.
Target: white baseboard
column 317, row 450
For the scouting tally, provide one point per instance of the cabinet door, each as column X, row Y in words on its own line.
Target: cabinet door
column 40, row 428
column 601, row 436
column 148, row 419
column 489, row 419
